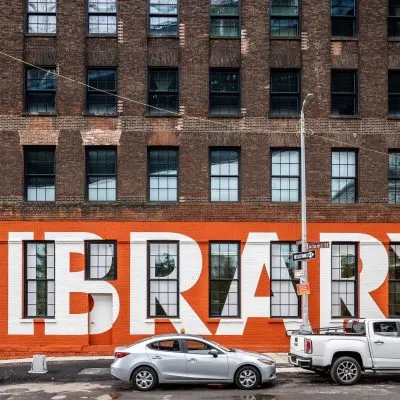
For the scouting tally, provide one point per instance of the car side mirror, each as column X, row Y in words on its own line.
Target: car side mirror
column 214, row 353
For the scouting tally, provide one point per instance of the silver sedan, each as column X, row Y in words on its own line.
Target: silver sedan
column 189, row 359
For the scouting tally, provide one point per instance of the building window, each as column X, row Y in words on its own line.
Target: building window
column 101, row 259
column 224, row 92
column 40, row 178
column 101, row 174
column 343, row 18
column 394, row 177
column 101, row 81
column 344, row 280
column 224, row 174
column 394, row 94
column 163, row 91
column 344, row 176
column 39, row 279
column 285, row 93
column 285, row 179
column 42, row 17
column 163, row 279
column 394, row 280
column 225, row 18
column 284, row 299
column 394, row 19
column 284, row 18
column 344, row 93
column 163, row 18
column 102, row 16
column 40, row 91
column 163, row 174
column 224, row 280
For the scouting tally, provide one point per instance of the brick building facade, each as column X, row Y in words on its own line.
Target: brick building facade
column 255, row 221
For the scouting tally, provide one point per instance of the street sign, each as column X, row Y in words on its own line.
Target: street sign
column 306, row 255
column 298, row 274
column 317, row 245
column 303, row 289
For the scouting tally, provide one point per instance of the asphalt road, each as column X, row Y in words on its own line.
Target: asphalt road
column 289, row 386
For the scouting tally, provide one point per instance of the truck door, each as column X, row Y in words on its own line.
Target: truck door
column 385, row 343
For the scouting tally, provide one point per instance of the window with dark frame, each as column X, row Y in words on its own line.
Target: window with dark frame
column 344, row 176
column 285, row 175
column 284, row 299
column 343, row 18
column 163, row 174
column 40, row 91
column 163, row 91
column 163, row 279
column 40, row 178
column 163, row 18
column 224, row 92
column 344, row 280
column 39, row 279
column 394, row 19
column 225, row 18
column 394, row 280
column 344, row 93
column 100, row 81
column 101, row 166
column 394, row 177
column 284, row 18
column 41, row 17
column 225, row 279
column 102, row 16
column 224, row 174
column 101, row 259
column 285, row 93
column 394, row 93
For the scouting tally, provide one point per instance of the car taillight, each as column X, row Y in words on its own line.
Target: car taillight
column 308, row 346
column 120, row 354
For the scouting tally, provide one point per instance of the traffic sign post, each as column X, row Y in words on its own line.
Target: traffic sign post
column 303, row 256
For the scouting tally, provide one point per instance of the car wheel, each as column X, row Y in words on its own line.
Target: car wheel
column 144, row 379
column 346, row 371
column 247, row 377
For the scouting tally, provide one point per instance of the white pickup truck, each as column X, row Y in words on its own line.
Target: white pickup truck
column 346, row 352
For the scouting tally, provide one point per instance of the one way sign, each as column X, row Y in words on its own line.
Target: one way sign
column 306, row 255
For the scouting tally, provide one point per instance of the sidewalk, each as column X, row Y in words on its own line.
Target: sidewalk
column 86, row 369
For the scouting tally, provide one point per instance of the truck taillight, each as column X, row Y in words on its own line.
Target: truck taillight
column 120, row 354
column 307, row 346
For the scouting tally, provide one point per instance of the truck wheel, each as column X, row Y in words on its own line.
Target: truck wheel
column 346, row 371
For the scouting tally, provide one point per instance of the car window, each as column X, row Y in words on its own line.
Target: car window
column 165, row 345
column 386, row 328
column 197, row 347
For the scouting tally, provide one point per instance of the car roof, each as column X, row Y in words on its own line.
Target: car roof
column 175, row 335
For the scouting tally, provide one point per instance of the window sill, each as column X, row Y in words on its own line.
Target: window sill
column 225, row 320
column 394, row 39
column 225, row 116
column 297, row 38
column 393, row 117
column 40, row 34
column 344, row 39
column 225, row 37
column 32, row 202
column 101, row 36
column 86, row 114
column 162, row 320
column 100, row 202
column 44, row 319
column 166, row 115
column 224, row 203
column 276, row 320
column 32, row 114
column 283, row 116
column 332, row 116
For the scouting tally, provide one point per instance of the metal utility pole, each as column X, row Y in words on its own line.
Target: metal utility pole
column 305, row 326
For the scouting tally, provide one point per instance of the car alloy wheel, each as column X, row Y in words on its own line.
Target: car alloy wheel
column 247, row 378
column 144, row 379
column 346, row 371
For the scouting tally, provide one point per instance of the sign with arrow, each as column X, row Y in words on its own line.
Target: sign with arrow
column 305, row 255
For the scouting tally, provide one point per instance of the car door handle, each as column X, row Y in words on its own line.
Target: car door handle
column 156, row 358
column 193, row 360
column 379, row 342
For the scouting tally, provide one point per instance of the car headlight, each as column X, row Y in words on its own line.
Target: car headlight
column 267, row 361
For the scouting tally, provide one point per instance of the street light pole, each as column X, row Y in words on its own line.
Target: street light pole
column 305, row 326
